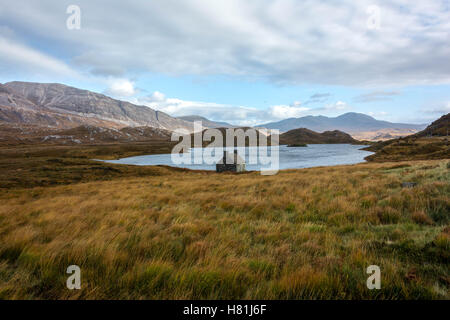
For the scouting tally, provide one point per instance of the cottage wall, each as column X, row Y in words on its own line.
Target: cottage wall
column 237, row 166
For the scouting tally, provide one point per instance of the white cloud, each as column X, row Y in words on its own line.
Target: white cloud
column 292, row 111
column 239, row 115
column 157, row 96
column 121, row 88
column 331, row 109
column 18, row 57
column 340, row 105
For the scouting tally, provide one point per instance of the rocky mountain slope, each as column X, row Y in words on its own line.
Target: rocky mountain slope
column 61, row 106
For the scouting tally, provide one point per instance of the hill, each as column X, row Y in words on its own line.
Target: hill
column 439, row 128
column 223, row 131
column 93, row 135
column 431, row 143
column 352, row 123
column 11, row 135
column 306, row 136
column 60, row 106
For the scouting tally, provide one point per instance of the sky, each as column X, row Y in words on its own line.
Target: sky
column 246, row 62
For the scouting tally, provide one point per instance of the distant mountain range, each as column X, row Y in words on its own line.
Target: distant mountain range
column 61, row 106
column 349, row 122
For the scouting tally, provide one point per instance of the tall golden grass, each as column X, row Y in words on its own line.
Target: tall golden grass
column 301, row 234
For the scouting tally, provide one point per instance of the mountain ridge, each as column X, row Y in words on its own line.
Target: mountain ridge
column 350, row 122
column 59, row 105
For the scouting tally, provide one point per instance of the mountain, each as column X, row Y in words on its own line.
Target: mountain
column 206, row 122
column 430, row 143
column 61, row 106
column 349, row 122
column 305, row 136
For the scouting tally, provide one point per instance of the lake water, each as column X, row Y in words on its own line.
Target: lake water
column 313, row 155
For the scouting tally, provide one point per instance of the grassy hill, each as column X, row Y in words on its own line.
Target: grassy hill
column 223, row 132
column 13, row 135
column 306, row 136
column 439, row 128
column 431, row 143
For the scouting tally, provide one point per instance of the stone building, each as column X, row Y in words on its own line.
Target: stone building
column 231, row 162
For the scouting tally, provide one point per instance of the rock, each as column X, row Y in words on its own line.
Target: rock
column 408, row 184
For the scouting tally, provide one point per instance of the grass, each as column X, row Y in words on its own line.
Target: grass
column 39, row 165
column 160, row 233
column 410, row 148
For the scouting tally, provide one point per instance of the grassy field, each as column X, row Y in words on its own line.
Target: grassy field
column 47, row 165
column 161, row 233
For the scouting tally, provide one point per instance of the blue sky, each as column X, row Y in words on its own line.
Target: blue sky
column 245, row 62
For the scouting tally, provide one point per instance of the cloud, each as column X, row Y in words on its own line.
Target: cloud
column 318, row 98
column 15, row 57
column 282, row 41
column 331, row 108
column 239, row 115
column 441, row 108
column 156, row 97
column 277, row 42
column 376, row 96
column 292, row 111
column 340, row 105
column 121, row 88
column 108, row 71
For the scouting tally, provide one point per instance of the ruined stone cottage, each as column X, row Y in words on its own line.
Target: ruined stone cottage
column 231, row 162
